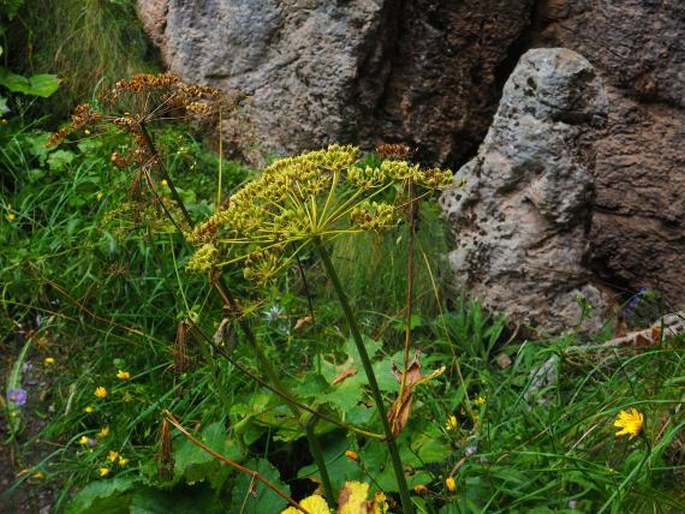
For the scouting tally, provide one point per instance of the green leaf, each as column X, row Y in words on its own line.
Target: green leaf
column 37, row 145
column 103, row 496
column 185, row 501
column 196, row 465
column 339, row 466
column 59, row 159
column 89, row 146
column 43, row 85
column 253, row 497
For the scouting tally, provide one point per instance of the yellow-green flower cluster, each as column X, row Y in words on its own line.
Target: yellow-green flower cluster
column 373, row 215
column 366, row 177
column 297, row 199
column 263, row 265
column 401, row 171
column 203, row 259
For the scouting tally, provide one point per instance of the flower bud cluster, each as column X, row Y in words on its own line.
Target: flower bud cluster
column 297, row 199
column 373, row 215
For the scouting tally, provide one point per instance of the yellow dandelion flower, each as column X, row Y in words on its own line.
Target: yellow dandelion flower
column 123, row 375
column 87, row 132
column 99, row 195
column 122, row 462
column 630, row 423
column 88, row 410
column 112, row 455
column 11, row 216
column 420, row 489
column 481, row 400
column 450, row 484
column 164, row 183
column 379, row 504
column 315, row 504
column 104, row 472
column 104, row 432
column 49, row 360
column 101, row 392
column 452, row 423
column 352, row 455
column 83, row 440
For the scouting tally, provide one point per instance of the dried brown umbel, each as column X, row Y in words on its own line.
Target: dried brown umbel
column 396, row 152
column 84, row 115
column 146, row 98
column 165, row 459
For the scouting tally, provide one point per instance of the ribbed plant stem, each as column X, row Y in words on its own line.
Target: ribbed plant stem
column 314, row 445
column 221, row 287
column 370, row 375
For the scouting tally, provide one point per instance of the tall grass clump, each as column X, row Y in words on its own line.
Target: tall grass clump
column 88, row 44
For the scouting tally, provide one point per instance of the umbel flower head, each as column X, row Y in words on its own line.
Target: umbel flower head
column 313, row 196
column 630, row 422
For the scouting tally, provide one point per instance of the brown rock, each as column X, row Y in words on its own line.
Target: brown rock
column 426, row 72
column 638, row 230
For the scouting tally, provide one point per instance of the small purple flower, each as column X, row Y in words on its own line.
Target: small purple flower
column 470, row 450
column 634, row 302
column 274, row 313
column 17, row 396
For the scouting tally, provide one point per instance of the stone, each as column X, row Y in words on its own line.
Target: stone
column 638, row 225
column 522, row 220
column 430, row 73
column 426, row 73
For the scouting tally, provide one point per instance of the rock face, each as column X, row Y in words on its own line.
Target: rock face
column 430, row 73
column 425, row 73
column 523, row 217
column 637, row 237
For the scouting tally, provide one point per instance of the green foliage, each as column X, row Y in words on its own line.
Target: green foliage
column 89, row 45
column 253, row 498
column 42, row 85
column 264, row 378
column 380, row 285
column 469, row 327
column 9, row 8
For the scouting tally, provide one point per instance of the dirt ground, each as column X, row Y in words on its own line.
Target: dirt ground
column 23, row 488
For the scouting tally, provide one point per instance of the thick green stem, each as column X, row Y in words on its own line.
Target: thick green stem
column 317, row 453
column 407, row 507
column 221, row 287
column 265, row 364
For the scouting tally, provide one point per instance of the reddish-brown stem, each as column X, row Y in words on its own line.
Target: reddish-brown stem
column 256, row 476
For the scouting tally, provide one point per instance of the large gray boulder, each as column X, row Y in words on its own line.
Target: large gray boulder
column 429, row 73
column 426, row 73
column 637, row 237
column 523, row 217
column 297, row 61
